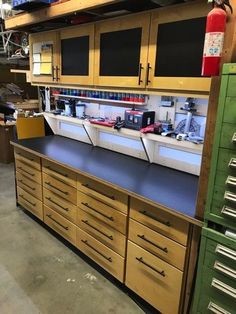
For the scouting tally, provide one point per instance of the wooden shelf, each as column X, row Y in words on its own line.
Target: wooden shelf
column 26, row 72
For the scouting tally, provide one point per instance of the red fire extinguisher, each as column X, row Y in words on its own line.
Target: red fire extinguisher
column 214, row 38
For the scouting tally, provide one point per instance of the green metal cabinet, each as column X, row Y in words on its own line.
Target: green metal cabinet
column 215, row 290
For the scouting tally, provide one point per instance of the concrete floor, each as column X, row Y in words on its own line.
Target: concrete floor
column 39, row 274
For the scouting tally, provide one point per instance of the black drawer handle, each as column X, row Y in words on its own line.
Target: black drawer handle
column 58, row 172
column 21, row 181
column 98, row 212
column 52, row 201
column 61, row 225
column 166, row 223
column 164, row 249
column 95, row 190
column 54, row 187
column 30, row 159
column 109, row 259
column 91, row 226
column 140, row 73
column 148, row 72
column 160, row 272
column 31, row 174
column 25, row 199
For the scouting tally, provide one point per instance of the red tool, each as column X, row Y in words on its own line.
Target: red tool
column 104, row 122
column 214, row 39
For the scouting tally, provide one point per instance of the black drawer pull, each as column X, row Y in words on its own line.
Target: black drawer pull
column 148, row 72
column 58, row 172
column 31, row 174
column 50, row 216
column 95, row 190
column 30, row 159
column 109, row 259
column 21, row 181
column 54, row 187
column 98, row 212
column 160, row 272
column 164, row 249
column 166, row 223
column 91, row 226
column 140, row 73
column 25, row 199
column 52, row 201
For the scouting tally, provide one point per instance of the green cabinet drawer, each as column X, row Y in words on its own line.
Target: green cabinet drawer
column 228, row 135
column 229, row 114
column 231, row 89
column 220, row 244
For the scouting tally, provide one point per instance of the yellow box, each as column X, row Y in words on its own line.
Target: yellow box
column 30, row 127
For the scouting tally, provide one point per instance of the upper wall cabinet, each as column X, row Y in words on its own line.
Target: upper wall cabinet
column 121, row 51
column 77, row 55
column 44, row 57
column 176, row 47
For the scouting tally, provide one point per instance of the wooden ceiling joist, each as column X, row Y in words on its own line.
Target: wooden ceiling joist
column 54, row 11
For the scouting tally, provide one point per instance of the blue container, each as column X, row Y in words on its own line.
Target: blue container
column 27, row 5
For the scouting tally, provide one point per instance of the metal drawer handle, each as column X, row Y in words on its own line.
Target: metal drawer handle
column 219, row 285
column 222, row 250
column 232, row 163
column 166, row 223
column 58, row 172
column 30, row 159
column 230, row 196
column 25, row 199
column 160, row 272
column 95, row 190
column 109, row 259
column 225, row 269
column 54, row 187
column 31, row 174
column 164, row 249
column 228, row 211
column 234, row 138
column 98, row 212
column 216, row 309
column 21, row 181
column 52, row 201
column 61, row 225
column 91, row 226
column 231, row 181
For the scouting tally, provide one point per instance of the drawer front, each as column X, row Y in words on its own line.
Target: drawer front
column 27, row 158
column 157, row 244
column 59, row 172
column 104, row 193
column 61, row 189
column 228, row 135
column 30, row 203
column 61, row 225
column 63, row 207
column 153, row 279
column 101, row 254
column 231, row 86
column 227, row 161
column 102, row 232
column 105, row 213
column 29, row 172
column 29, row 186
column 229, row 110
column 160, row 221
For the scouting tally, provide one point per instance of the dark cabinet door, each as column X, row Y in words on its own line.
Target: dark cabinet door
column 77, row 55
column 121, row 51
column 176, row 48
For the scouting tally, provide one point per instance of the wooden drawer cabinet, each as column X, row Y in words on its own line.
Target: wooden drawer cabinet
column 104, row 193
column 59, row 172
column 157, row 244
column 29, row 159
column 160, row 221
column 29, row 186
column 29, row 172
column 60, row 224
column 153, row 279
column 63, row 190
column 30, row 203
column 107, row 214
column 102, row 232
column 60, row 205
column 101, row 254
